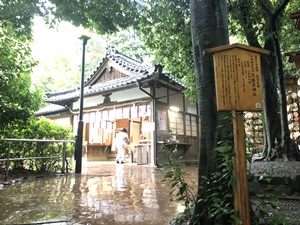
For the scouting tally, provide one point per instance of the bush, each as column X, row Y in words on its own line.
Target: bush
column 38, row 129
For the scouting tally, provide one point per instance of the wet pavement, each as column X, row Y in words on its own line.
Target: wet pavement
column 104, row 193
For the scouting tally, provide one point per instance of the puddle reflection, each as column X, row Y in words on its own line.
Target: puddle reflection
column 102, row 194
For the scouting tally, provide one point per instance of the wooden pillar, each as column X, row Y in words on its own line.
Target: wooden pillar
column 241, row 193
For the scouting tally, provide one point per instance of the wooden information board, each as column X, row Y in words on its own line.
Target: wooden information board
column 238, row 77
column 238, row 88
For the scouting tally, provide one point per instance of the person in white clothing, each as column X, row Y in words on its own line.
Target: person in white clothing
column 121, row 143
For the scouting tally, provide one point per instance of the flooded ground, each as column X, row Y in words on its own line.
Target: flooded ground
column 105, row 193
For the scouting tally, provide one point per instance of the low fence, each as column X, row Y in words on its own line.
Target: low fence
column 7, row 159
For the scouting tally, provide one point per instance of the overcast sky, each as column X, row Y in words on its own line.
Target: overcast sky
column 63, row 41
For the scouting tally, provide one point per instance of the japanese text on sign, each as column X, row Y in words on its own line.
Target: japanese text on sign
column 238, row 81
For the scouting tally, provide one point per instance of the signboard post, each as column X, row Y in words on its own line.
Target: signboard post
column 238, row 88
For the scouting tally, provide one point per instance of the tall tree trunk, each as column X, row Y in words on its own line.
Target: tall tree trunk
column 284, row 150
column 276, row 125
column 271, row 113
column 273, row 16
column 209, row 29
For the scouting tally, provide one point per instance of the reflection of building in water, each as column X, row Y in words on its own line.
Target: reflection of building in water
column 149, row 197
column 127, row 195
column 91, row 198
column 120, row 179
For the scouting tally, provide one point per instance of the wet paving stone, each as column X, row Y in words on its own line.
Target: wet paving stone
column 104, row 193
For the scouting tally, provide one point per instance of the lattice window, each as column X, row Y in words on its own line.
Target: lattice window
column 191, row 125
column 176, row 123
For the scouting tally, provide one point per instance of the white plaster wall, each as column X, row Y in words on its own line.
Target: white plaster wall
column 130, row 94
column 135, row 93
column 161, row 92
column 190, row 107
column 64, row 121
column 120, row 96
column 176, row 100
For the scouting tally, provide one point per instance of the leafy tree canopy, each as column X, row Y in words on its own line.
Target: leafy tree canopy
column 19, row 14
column 165, row 27
column 251, row 22
column 166, row 30
column 17, row 100
column 57, row 61
column 102, row 15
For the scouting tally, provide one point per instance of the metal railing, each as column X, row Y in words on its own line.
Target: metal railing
column 8, row 159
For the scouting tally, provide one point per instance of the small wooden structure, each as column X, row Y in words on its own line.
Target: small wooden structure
column 292, row 84
column 294, row 57
column 297, row 17
column 238, row 89
column 123, row 93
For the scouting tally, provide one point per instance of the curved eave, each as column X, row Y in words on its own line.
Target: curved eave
column 141, row 80
column 62, row 102
column 46, row 112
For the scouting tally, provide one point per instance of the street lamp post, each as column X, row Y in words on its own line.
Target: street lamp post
column 78, row 143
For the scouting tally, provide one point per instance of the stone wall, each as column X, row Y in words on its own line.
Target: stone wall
column 279, row 178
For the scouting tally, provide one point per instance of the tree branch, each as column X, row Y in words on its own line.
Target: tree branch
column 248, row 26
column 267, row 6
column 281, row 8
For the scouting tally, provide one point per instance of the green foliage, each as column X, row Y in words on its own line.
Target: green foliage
column 102, row 15
column 17, row 100
column 19, row 14
column 46, row 129
column 219, row 187
column 50, row 73
column 175, row 174
column 218, row 192
column 38, row 129
column 166, row 30
column 250, row 22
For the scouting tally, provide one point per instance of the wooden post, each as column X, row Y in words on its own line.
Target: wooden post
column 241, row 193
column 7, row 160
column 64, row 157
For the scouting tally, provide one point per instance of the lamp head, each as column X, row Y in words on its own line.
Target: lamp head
column 84, row 39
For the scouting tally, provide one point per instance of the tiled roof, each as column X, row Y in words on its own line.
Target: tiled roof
column 120, row 59
column 124, row 61
column 50, row 108
column 139, row 74
column 109, row 86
